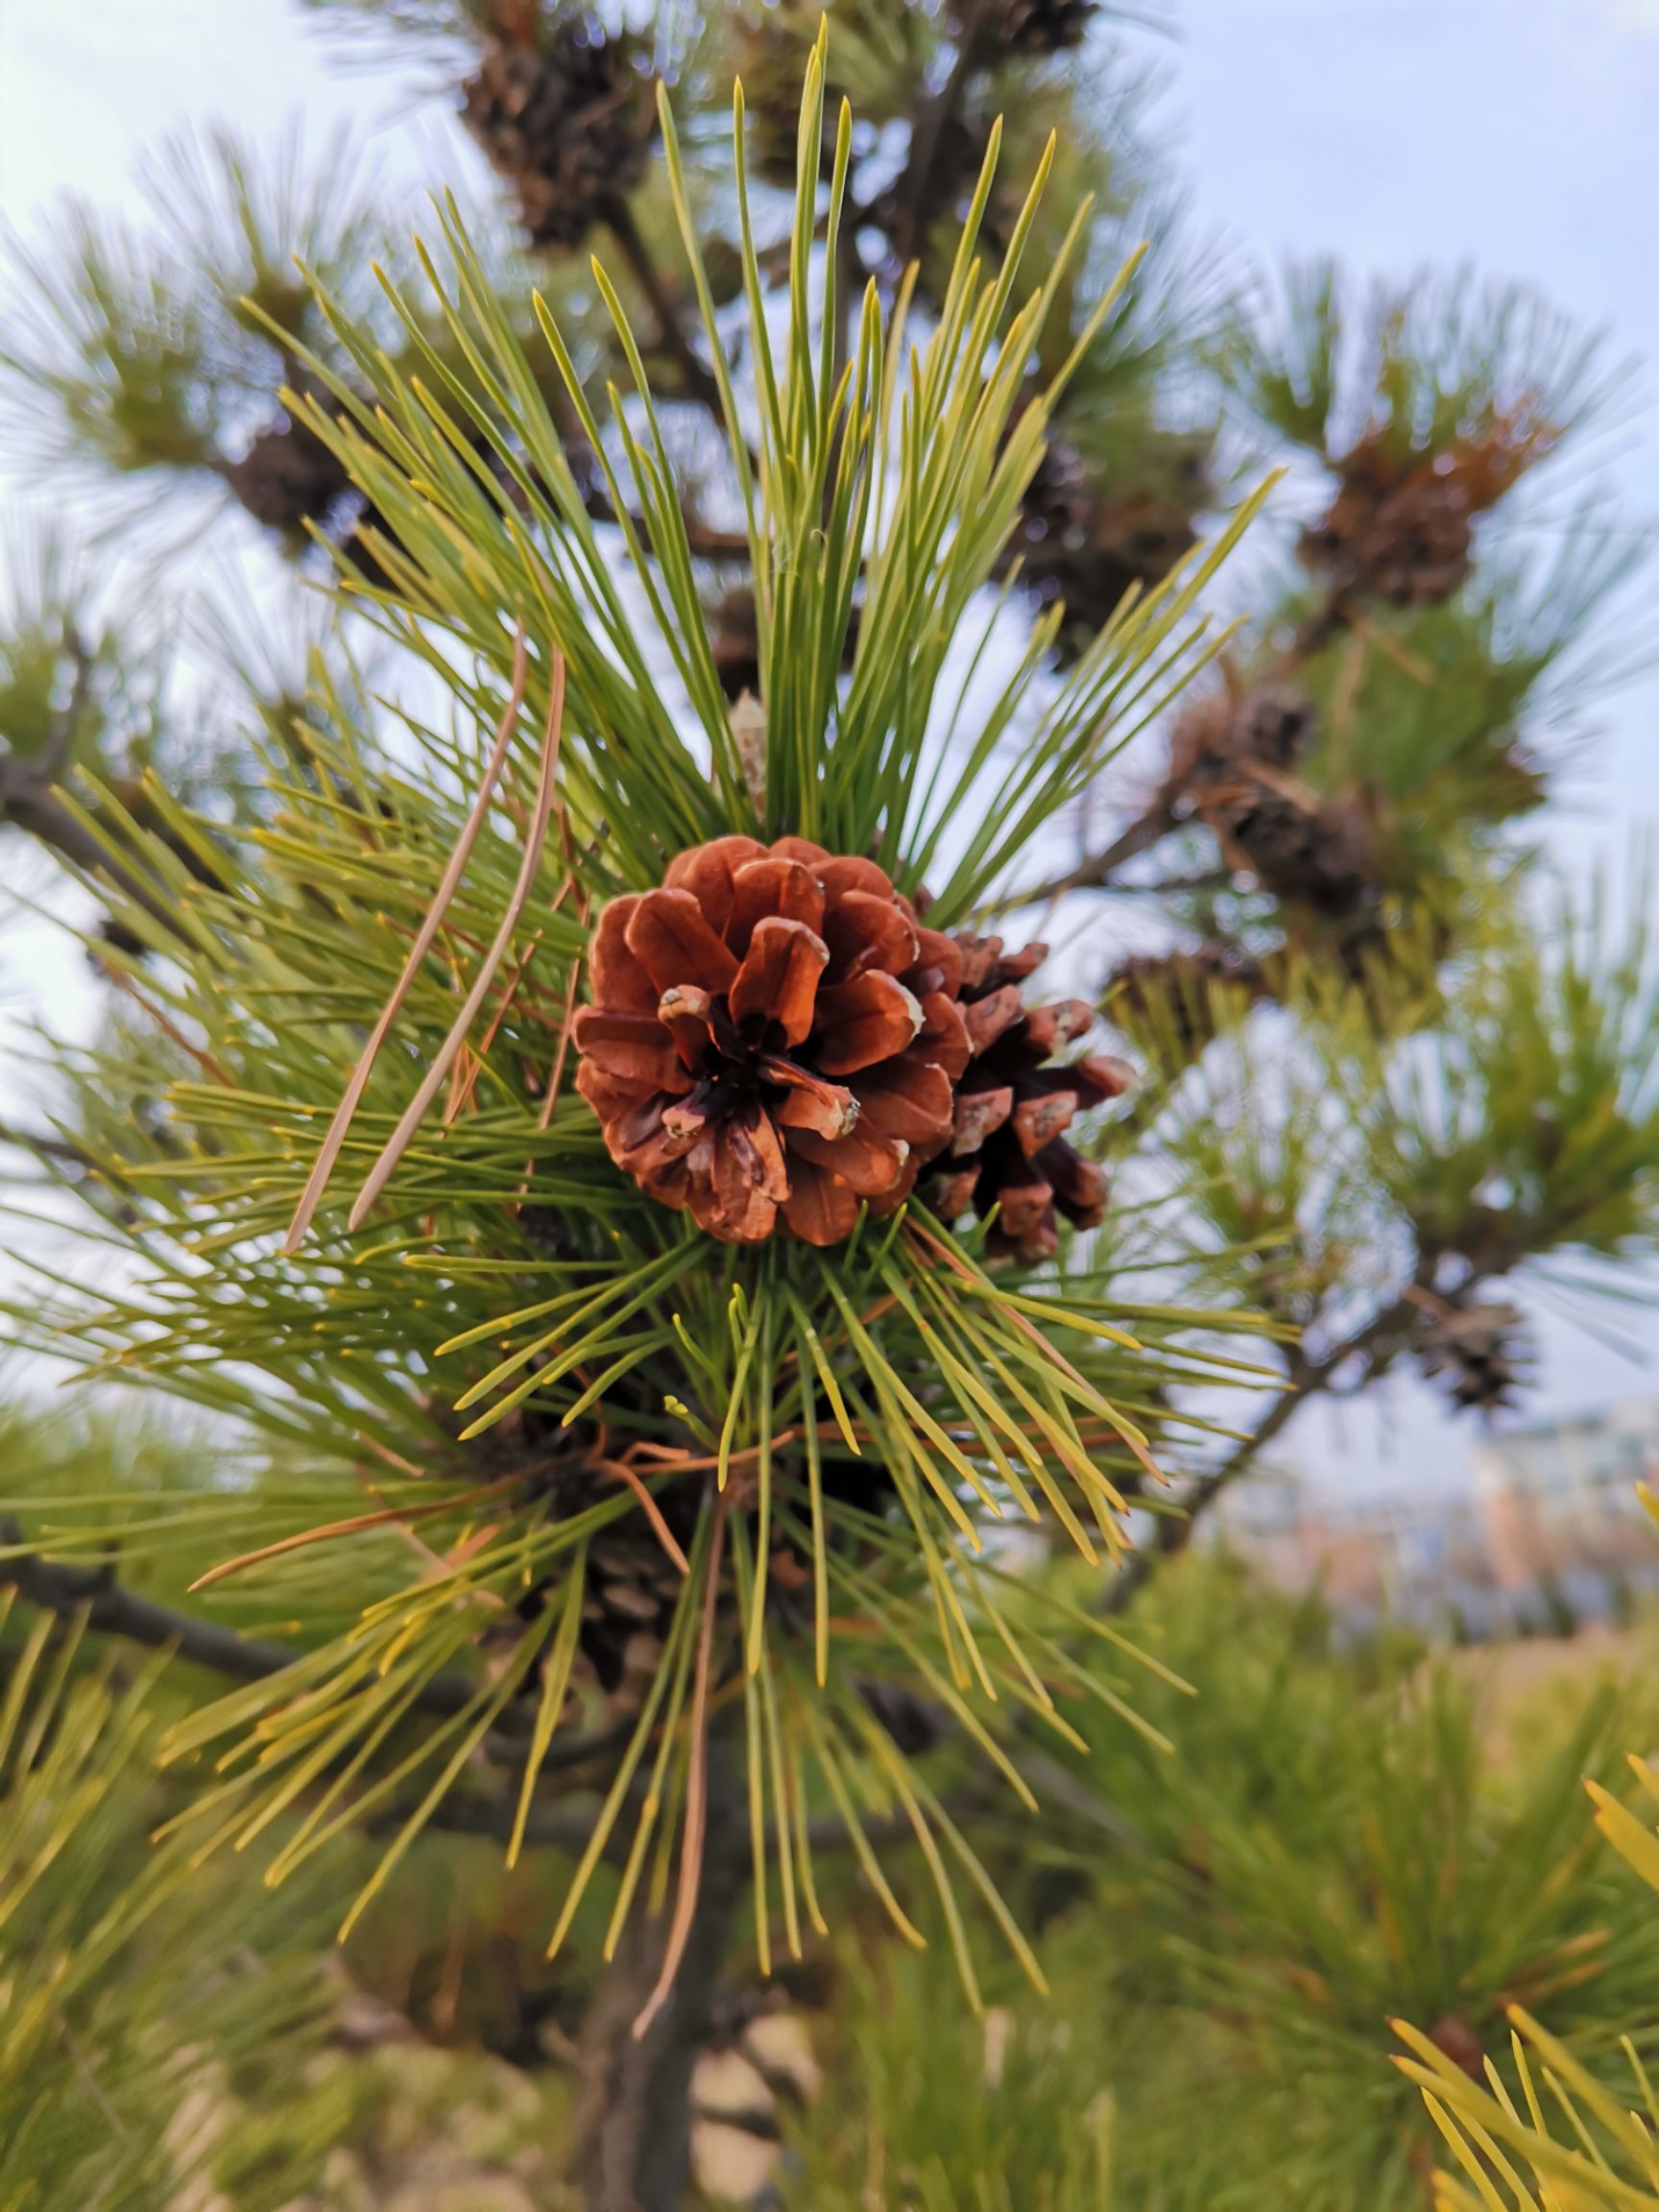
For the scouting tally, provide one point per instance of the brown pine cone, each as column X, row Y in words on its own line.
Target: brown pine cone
column 1173, row 995
column 1482, row 1351
column 1006, row 1148
column 567, row 123
column 1406, row 537
column 1231, row 763
column 1086, row 543
column 1028, row 26
column 1226, row 734
column 774, row 1034
column 1401, row 525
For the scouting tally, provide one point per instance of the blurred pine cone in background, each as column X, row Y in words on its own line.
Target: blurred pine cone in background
column 566, row 113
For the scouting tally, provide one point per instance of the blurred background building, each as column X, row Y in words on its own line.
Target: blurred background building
column 1543, row 1530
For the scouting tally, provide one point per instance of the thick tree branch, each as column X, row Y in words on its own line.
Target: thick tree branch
column 916, row 197
column 111, row 1610
column 633, row 2118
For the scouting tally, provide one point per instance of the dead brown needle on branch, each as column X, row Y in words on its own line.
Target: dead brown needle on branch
column 397, row 1143
column 317, row 1183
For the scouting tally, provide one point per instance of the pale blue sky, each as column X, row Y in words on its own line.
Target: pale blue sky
column 1521, row 135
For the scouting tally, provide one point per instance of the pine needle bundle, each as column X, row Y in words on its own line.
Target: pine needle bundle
column 557, row 1163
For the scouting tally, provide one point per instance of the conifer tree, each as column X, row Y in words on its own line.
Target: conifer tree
column 585, row 1113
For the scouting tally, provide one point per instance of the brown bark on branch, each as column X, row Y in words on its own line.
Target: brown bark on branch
column 55, row 1586
column 634, row 2107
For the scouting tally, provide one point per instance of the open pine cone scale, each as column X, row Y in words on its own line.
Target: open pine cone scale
column 774, row 1038
column 1008, row 1149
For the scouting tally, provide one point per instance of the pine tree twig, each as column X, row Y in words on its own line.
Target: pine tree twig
column 671, row 332
column 45, row 1148
column 55, row 1586
column 568, row 1824
column 1177, row 886
column 711, row 544
column 1064, row 1790
column 702, row 540
column 1305, row 1378
column 1094, row 874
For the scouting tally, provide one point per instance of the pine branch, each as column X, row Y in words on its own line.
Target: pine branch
column 915, row 195
column 1096, row 872
column 563, row 1826
column 671, row 330
column 1305, row 1378
column 31, row 800
column 111, row 1610
column 43, row 1147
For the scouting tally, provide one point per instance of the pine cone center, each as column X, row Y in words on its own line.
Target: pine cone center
column 774, row 1038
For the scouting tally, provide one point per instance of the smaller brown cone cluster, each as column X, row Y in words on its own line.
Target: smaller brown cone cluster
column 1232, row 766
column 287, row 478
column 1008, row 1149
column 1029, row 26
column 774, row 1038
column 292, row 484
column 1086, row 543
column 1479, row 1351
column 565, row 115
column 1174, row 996
column 1403, row 530
column 635, row 1573
column 627, row 1607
